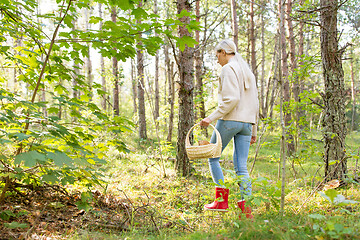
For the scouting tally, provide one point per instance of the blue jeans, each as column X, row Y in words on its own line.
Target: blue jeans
column 241, row 133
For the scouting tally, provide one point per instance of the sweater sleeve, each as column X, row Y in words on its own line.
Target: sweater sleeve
column 229, row 93
column 254, row 127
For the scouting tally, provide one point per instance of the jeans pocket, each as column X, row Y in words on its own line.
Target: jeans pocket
column 231, row 126
column 248, row 128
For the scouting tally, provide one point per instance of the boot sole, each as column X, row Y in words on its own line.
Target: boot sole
column 217, row 210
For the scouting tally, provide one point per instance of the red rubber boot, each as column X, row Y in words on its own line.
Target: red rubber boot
column 245, row 210
column 221, row 200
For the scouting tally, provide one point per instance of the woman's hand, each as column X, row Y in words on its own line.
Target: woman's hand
column 253, row 140
column 205, row 122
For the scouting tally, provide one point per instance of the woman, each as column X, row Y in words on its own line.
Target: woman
column 236, row 113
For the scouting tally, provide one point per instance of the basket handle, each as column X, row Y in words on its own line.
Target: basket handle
column 218, row 136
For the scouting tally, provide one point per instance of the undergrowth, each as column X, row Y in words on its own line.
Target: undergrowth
column 311, row 212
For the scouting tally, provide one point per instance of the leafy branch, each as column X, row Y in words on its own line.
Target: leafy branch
column 27, row 124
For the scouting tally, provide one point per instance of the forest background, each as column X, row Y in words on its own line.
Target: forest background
column 97, row 98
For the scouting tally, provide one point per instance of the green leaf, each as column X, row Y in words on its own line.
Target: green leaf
column 60, row 89
column 123, row 4
column 330, row 226
column 60, row 159
column 68, row 179
column 83, row 205
column 50, row 178
column 338, row 227
column 316, row 227
column 29, row 158
column 95, row 20
column 4, row 141
column 340, row 200
column 56, row 205
column 332, row 162
column 14, row 225
column 21, row 136
column 139, row 13
column 53, row 110
column 68, row 20
column 186, row 40
column 5, row 215
column 86, row 196
column 316, row 216
column 331, row 193
column 184, row 13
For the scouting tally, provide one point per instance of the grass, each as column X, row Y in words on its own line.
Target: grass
column 176, row 204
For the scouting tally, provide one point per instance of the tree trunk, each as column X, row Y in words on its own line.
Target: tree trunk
column 171, row 95
column 285, row 79
column 200, row 103
column 334, row 121
column 76, row 67
column 115, row 73
column 272, row 79
column 141, row 86
column 293, row 67
column 88, row 58
column 157, row 95
column 171, row 101
column 301, row 78
column 293, row 60
column 186, row 104
column 102, row 65
column 262, row 79
column 133, row 84
column 234, row 23
column 353, row 92
column 253, row 41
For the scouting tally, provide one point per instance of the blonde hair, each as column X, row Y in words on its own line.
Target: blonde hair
column 230, row 48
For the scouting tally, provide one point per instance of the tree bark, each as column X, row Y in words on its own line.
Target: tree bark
column 293, row 66
column 141, row 86
column 270, row 100
column 115, row 73
column 171, row 101
column 171, row 94
column 285, row 79
column 353, row 92
column 253, row 41
column 102, row 65
column 200, row 103
column 262, row 79
column 186, row 103
column 334, row 121
column 76, row 66
column 301, row 65
column 234, row 23
column 133, row 84
column 88, row 57
column 157, row 95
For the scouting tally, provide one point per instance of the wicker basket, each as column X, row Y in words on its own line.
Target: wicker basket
column 211, row 150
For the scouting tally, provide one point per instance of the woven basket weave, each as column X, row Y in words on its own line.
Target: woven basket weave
column 211, row 150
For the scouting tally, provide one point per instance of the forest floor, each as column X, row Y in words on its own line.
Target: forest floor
column 144, row 199
column 50, row 212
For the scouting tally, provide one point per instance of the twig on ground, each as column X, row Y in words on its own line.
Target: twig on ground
column 258, row 147
column 318, row 186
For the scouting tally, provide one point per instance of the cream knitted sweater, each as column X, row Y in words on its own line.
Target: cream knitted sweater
column 235, row 102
